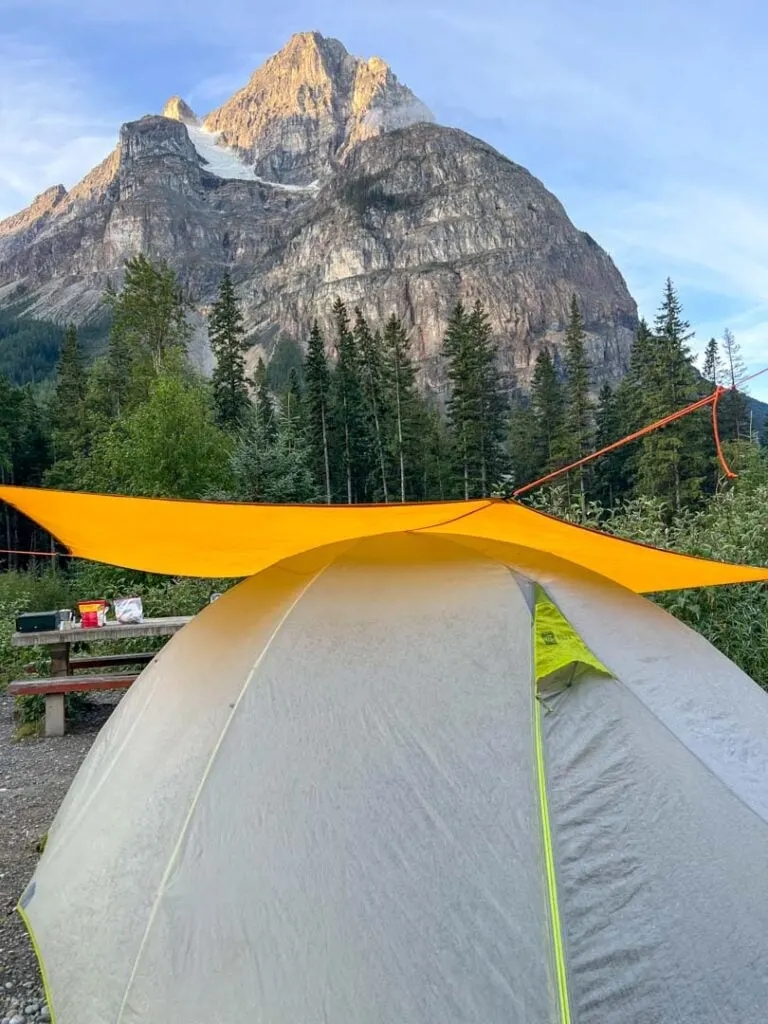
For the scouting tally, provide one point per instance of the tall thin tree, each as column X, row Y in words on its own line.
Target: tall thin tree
column 318, row 386
column 548, row 403
column 229, row 345
column 348, row 406
column 734, row 409
column 373, row 372
column 264, row 406
column 491, row 401
column 402, row 378
column 578, row 405
column 67, row 420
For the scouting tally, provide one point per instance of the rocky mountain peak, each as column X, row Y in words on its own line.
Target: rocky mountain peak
column 322, row 178
column 307, row 105
column 177, row 110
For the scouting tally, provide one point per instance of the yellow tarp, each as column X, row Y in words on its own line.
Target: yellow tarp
column 188, row 538
column 557, row 645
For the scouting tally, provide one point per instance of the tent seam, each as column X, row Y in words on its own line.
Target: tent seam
column 697, row 757
column 206, row 774
column 558, row 944
column 551, row 870
column 454, row 519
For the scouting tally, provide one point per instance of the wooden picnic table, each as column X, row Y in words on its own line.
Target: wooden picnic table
column 59, row 643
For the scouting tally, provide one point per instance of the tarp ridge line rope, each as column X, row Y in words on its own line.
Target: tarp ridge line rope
column 712, row 400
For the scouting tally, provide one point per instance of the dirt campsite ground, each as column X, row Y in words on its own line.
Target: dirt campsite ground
column 34, row 776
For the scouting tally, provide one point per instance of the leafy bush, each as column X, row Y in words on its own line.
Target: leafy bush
column 27, row 592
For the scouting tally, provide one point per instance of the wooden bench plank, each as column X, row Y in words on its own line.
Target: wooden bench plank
column 72, row 684
column 112, row 660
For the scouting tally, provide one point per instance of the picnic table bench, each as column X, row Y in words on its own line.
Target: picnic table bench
column 63, row 680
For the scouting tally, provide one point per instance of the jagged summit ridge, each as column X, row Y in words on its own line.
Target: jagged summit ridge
column 308, row 104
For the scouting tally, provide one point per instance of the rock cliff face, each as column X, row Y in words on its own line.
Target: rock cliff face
column 323, row 177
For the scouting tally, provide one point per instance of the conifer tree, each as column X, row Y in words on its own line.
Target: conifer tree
column 491, row 402
column 290, row 477
column 578, row 405
column 293, row 404
column 265, row 412
column 429, row 454
column 228, row 344
column 348, row 408
column 734, row 364
column 401, row 377
column 672, row 463
column 373, row 373
column 273, row 467
column 524, row 450
column 633, row 390
column 123, row 387
column 713, row 370
column 67, row 410
column 612, row 473
column 548, row 404
column 733, row 409
column 633, row 408
column 463, row 410
column 317, row 409
column 475, row 402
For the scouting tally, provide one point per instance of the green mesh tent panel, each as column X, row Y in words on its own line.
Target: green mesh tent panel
column 560, row 655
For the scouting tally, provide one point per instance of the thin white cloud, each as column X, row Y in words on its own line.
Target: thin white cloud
column 51, row 132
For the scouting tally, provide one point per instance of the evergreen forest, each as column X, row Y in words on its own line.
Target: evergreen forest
column 349, row 418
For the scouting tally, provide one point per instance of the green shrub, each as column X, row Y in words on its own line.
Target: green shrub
column 20, row 592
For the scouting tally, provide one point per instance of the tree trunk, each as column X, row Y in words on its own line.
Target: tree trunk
column 349, row 464
column 401, row 458
column 483, row 463
column 8, row 541
column 465, row 459
column 677, row 484
column 325, row 457
column 380, row 446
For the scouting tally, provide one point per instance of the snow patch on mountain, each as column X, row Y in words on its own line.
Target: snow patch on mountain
column 219, row 160
column 225, row 163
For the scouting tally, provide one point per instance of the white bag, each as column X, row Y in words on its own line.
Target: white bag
column 129, row 610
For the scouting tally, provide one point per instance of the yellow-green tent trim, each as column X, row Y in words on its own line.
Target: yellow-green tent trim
column 560, row 654
column 211, row 539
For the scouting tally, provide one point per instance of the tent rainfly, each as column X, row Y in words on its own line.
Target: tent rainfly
column 429, row 764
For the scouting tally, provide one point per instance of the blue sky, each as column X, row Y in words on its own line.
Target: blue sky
column 646, row 120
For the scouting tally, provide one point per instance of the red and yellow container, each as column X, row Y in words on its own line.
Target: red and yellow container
column 92, row 613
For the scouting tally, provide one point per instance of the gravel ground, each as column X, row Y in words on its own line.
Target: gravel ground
column 34, row 776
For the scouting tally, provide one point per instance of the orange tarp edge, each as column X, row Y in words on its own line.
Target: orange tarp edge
column 211, row 539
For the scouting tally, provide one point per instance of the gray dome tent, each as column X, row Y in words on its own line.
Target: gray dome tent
column 321, row 803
